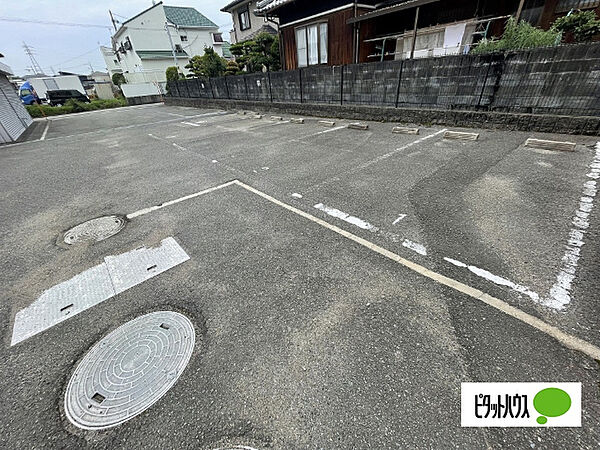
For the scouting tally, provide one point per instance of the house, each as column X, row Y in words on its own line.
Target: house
column 158, row 37
column 112, row 62
column 338, row 32
column 246, row 25
column 14, row 118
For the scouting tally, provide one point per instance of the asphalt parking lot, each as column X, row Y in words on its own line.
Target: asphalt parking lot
column 342, row 283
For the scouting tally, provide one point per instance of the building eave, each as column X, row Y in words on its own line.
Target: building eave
column 234, row 5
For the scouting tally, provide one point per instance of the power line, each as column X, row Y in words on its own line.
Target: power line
column 73, row 24
column 47, row 22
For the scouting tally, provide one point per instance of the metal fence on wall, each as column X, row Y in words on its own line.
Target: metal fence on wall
column 554, row 80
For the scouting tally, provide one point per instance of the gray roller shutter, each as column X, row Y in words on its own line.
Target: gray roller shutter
column 14, row 118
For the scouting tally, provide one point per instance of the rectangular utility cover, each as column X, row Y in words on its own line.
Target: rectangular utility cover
column 134, row 267
column 115, row 275
column 81, row 292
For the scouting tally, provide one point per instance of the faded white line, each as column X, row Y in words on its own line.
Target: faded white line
column 326, row 131
column 191, row 123
column 400, row 217
column 496, row 279
column 45, row 131
column 346, row 217
column 375, row 160
column 116, row 274
column 560, row 293
column 141, row 212
column 565, row 339
column 296, row 195
column 415, row 247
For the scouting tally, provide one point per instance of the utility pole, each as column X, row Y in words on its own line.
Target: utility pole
column 112, row 19
column 414, row 38
column 519, row 11
column 34, row 64
column 172, row 46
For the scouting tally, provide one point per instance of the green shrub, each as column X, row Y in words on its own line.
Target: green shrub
column 518, row 36
column 173, row 74
column 72, row 106
column 118, row 79
column 583, row 25
column 208, row 65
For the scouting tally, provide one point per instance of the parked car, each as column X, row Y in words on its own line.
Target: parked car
column 59, row 97
column 27, row 94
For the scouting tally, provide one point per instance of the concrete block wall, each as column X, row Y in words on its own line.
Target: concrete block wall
column 321, row 84
column 558, row 80
column 561, row 80
column 372, row 83
column 285, row 86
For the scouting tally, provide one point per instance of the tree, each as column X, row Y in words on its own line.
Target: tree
column 518, row 36
column 208, row 65
column 242, row 52
column 232, row 68
column 118, row 79
column 173, row 74
column 583, row 25
column 258, row 53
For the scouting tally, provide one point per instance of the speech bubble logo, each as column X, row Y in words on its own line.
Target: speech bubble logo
column 551, row 402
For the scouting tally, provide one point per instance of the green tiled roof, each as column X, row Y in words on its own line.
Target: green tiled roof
column 159, row 54
column 187, row 17
column 226, row 52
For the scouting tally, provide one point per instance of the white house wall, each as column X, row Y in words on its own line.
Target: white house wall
column 147, row 32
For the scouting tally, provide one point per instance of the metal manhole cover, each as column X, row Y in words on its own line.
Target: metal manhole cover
column 127, row 371
column 94, row 230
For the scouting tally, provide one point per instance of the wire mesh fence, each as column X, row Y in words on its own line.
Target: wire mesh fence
column 562, row 80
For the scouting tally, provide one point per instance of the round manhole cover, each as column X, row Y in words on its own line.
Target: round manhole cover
column 94, row 230
column 129, row 370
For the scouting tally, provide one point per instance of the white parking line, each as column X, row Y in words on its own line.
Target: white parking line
column 415, row 247
column 400, row 217
column 496, row 279
column 560, row 295
column 143, row 211
column 45, row 131
column 327, row 131
column 565, row 339
column 346, row 217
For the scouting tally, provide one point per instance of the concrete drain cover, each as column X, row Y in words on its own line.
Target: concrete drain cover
column 127, row 371
column 94, row 230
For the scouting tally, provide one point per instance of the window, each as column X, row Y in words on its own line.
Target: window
column 178, row 48
column 244, row 18
column 568, row 5
column 311, row 44
column 183, row 38
column 217, row 38
column 51, row 85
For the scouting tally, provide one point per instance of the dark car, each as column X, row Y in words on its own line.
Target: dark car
column 59, row 97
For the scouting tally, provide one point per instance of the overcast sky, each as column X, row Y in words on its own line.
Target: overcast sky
column 73, row 48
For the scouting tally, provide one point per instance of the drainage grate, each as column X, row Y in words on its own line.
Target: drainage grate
column 127, row 371
column 94, row 230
